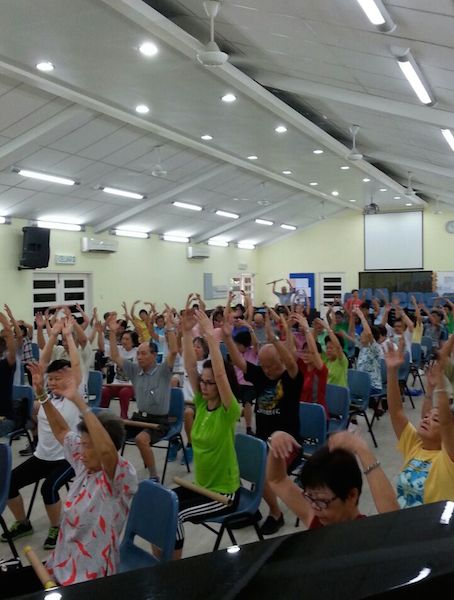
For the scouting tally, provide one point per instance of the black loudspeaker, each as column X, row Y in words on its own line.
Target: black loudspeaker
column 35, row 248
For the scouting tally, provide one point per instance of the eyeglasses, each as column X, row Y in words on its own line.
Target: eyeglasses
column 207, row 382
column 319, row 503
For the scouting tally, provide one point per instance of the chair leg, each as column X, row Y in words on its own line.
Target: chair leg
column 407, row 392
column 180, row 439
column 258, row 532
column 165, row 463
column 231, row 536
column 8, row 538
column 369, row 426
column 219, row 538
column 32, row 500
column 123, row 449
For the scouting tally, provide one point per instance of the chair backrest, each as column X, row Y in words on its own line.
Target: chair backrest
column 312, row 426
column 153, row 517
column 35, row 350
column 94, row 388
column 24, row 391
column 380, row 292
column 251, row 456
column 366, row 292
column 418, row 296
column 426, row 346
column 402, row 297
column 176, row 407
column 224, row 350
column 359, row 385
column 5, row 474
column 416, row 353
column 384, row 372
column 429, row 298
column 338, row 403
column 404, row 369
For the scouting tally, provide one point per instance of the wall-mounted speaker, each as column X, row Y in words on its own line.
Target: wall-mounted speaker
column 35, row 248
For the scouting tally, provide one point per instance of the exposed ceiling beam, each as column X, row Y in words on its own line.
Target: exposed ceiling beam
column 302, row 87
column 139, row 208
column 412, row 164
column 233, row 224
column 13, row 148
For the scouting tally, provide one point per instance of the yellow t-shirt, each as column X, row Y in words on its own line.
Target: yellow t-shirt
column 426, row 476
column 142, row 330
column 417, row 333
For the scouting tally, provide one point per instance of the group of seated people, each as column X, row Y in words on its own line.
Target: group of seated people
column 226, row 361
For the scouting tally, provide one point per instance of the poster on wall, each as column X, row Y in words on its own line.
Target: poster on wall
column 304, row 284
column 445, row 282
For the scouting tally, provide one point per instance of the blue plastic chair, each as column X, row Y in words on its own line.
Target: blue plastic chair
column 251, row 456
column 35, row 351
column 429, row 298
column 153, row 517
column 426, row 349
column 173, row 436
column 94, row 388
column 5, row 478
column 380, row 292
column 313, row 428
column 419, row 297
column 367, row 291
column 402, row 297
column 338, row 402
column 20, row 392
column 359, row 385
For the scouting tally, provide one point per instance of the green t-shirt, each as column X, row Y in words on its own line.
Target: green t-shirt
column 337, row 370
column 450, row 323
column 342, row 327
column 213, row 442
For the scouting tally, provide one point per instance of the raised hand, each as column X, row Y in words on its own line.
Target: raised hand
column 39, row 320
column 227, row 326
column 206, row 325
column 346, row 440
column 68, row 324
column 394, row 358
column 37, row 377
column 111, row 322
column 4, row 321
column 188, row 320
column 57, row 327
column 282, row 444
column 8, row 312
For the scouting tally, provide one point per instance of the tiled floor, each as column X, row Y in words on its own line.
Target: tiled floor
column 198, row 539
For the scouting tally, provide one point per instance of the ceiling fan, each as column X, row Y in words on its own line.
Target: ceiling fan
column 410, row 192
column 354, row 154
column 372, row 208
column 212, row 55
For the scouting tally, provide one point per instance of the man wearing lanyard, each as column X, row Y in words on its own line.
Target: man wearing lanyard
column 151, row 383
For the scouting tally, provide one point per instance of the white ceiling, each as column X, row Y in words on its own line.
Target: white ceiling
column 321, row 57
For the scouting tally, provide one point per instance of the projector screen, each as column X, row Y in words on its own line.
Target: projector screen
column 393, row 241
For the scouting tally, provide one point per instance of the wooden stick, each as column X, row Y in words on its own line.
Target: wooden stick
column 141, row 424
column 40, row 570
column 275, row 281
column 203, row 491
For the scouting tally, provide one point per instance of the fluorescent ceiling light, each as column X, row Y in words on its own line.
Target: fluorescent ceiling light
column 345, row 168
column 169, row 237
column 130, row 233
column 366, row 179
column 45, row 66
column 2, row 220
column 396, row 197
column 252, row 157
column 148, row 49
column 289, row 227
column 264, row 222
column 352, row 200
column 229, row 215
column 217, row 242
column 313, row 183
column 123, row 193
column 317, row 151
column 377, row 15
column 207, row 137
column 447, row 134
column 228, row 98
column 286, row 172
column 142, row 109
column 246, row 245
column 415, row 78
column 334, row 193
column 187, row 205
column 55, row 225
column 281, row 129
column 44, row 177
column 408, row 204
column 383, row 190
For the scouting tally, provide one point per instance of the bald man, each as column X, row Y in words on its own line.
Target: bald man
column 277, row 382
column 151, row 383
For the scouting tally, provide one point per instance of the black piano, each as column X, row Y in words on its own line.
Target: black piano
column 397, row 555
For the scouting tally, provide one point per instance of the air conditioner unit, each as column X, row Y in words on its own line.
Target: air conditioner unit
column 195, row 252
column 93, row 245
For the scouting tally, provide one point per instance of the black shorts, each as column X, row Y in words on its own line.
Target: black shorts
column 155, row 435
column 247, row 394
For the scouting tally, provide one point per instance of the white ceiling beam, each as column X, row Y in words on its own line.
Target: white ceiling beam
column 233, row 223
column 407, row 110
column 412, row 164
column 13, row 148
column 139, row 208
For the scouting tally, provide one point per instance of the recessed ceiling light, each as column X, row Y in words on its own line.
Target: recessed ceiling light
column 383, row 190
column 345, row 168
column 408, row 204
column 44, row 176
column 228, row 98
column 142, row 109
column 252, row 157
column 264, row 222
column 148, row 49
column 207, row 137
column 280, row 129
column 229, row 215
column 352, row 200
column 287, row 172
column 313, row 183
column 317, row 151
column 45, row 66
column 187, row 205
column 334, row 193
column 289, row 227
column 124, row 193
column 396, row 197
column 366, row 179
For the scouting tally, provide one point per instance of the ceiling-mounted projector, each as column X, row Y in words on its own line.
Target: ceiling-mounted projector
column 371, row 209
